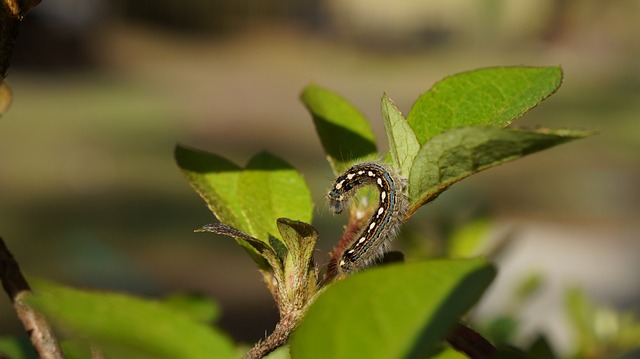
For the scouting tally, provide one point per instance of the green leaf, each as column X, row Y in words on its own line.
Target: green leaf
column 300, row 238
column 280, row 353
column 459, row 153
column 485, row 97
column 581, row 311
column 215, row 179
column 249, row 200
column 344, row 132
column 469, row 240
column 121, row 321
column 403, row 144
column 448, row 353
column 268, row 189
column 392, row 311
column 78, row 349
column 528, row 286
column 199, row 307
column 299, row 271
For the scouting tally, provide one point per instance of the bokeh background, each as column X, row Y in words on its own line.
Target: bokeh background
column 90, row 194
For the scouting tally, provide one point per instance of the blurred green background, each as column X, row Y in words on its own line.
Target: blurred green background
column 90, row 194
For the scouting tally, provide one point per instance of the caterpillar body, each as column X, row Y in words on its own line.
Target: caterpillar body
column 364, row 243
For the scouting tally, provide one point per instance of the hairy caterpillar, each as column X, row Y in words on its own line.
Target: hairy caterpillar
column 363, row 244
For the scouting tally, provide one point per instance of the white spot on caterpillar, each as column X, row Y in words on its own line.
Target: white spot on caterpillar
column 339, row 184
column 383, row 195
column 380, row 211
column 361, row 240
column 372, row 225
column 380, row 182
column 350, row 176
column 371, row 174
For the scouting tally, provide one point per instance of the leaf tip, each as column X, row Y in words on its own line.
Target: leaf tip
column 205, row 228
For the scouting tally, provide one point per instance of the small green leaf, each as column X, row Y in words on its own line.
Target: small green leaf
column 299, row 237
column 469, row 240
column 403, row 144
column 485, row 97
column 299, row 271
column 459, row 153
column 249, row 200
column 215, row 179
column 392, row 311
column 268, row 189
column 528, row 286
column 121, row 321
column 344, row 132
column 581, row 311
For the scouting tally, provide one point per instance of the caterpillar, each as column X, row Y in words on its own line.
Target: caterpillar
column 363, row 244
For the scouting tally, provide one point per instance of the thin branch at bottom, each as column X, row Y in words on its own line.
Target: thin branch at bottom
column 276, row 339
column 18, row 290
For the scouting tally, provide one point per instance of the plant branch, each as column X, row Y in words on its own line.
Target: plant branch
column 471, row 343
column 11, row 14
column 18, row 290
column 277, row 338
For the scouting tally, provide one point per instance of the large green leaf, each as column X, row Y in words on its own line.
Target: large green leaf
column 344, row 132
column 458, row 153
column 268, row 189
column 393, row 311
column 215, row 179
column 403, row 145
column 251, row 199
column 491, row 96
column 120, row 321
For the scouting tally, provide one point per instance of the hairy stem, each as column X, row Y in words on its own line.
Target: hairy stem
column 277, row 338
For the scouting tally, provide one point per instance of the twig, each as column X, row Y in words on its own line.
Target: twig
column 11, row 14
column 276, row 339
column 469, row 342
column 18, row 290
